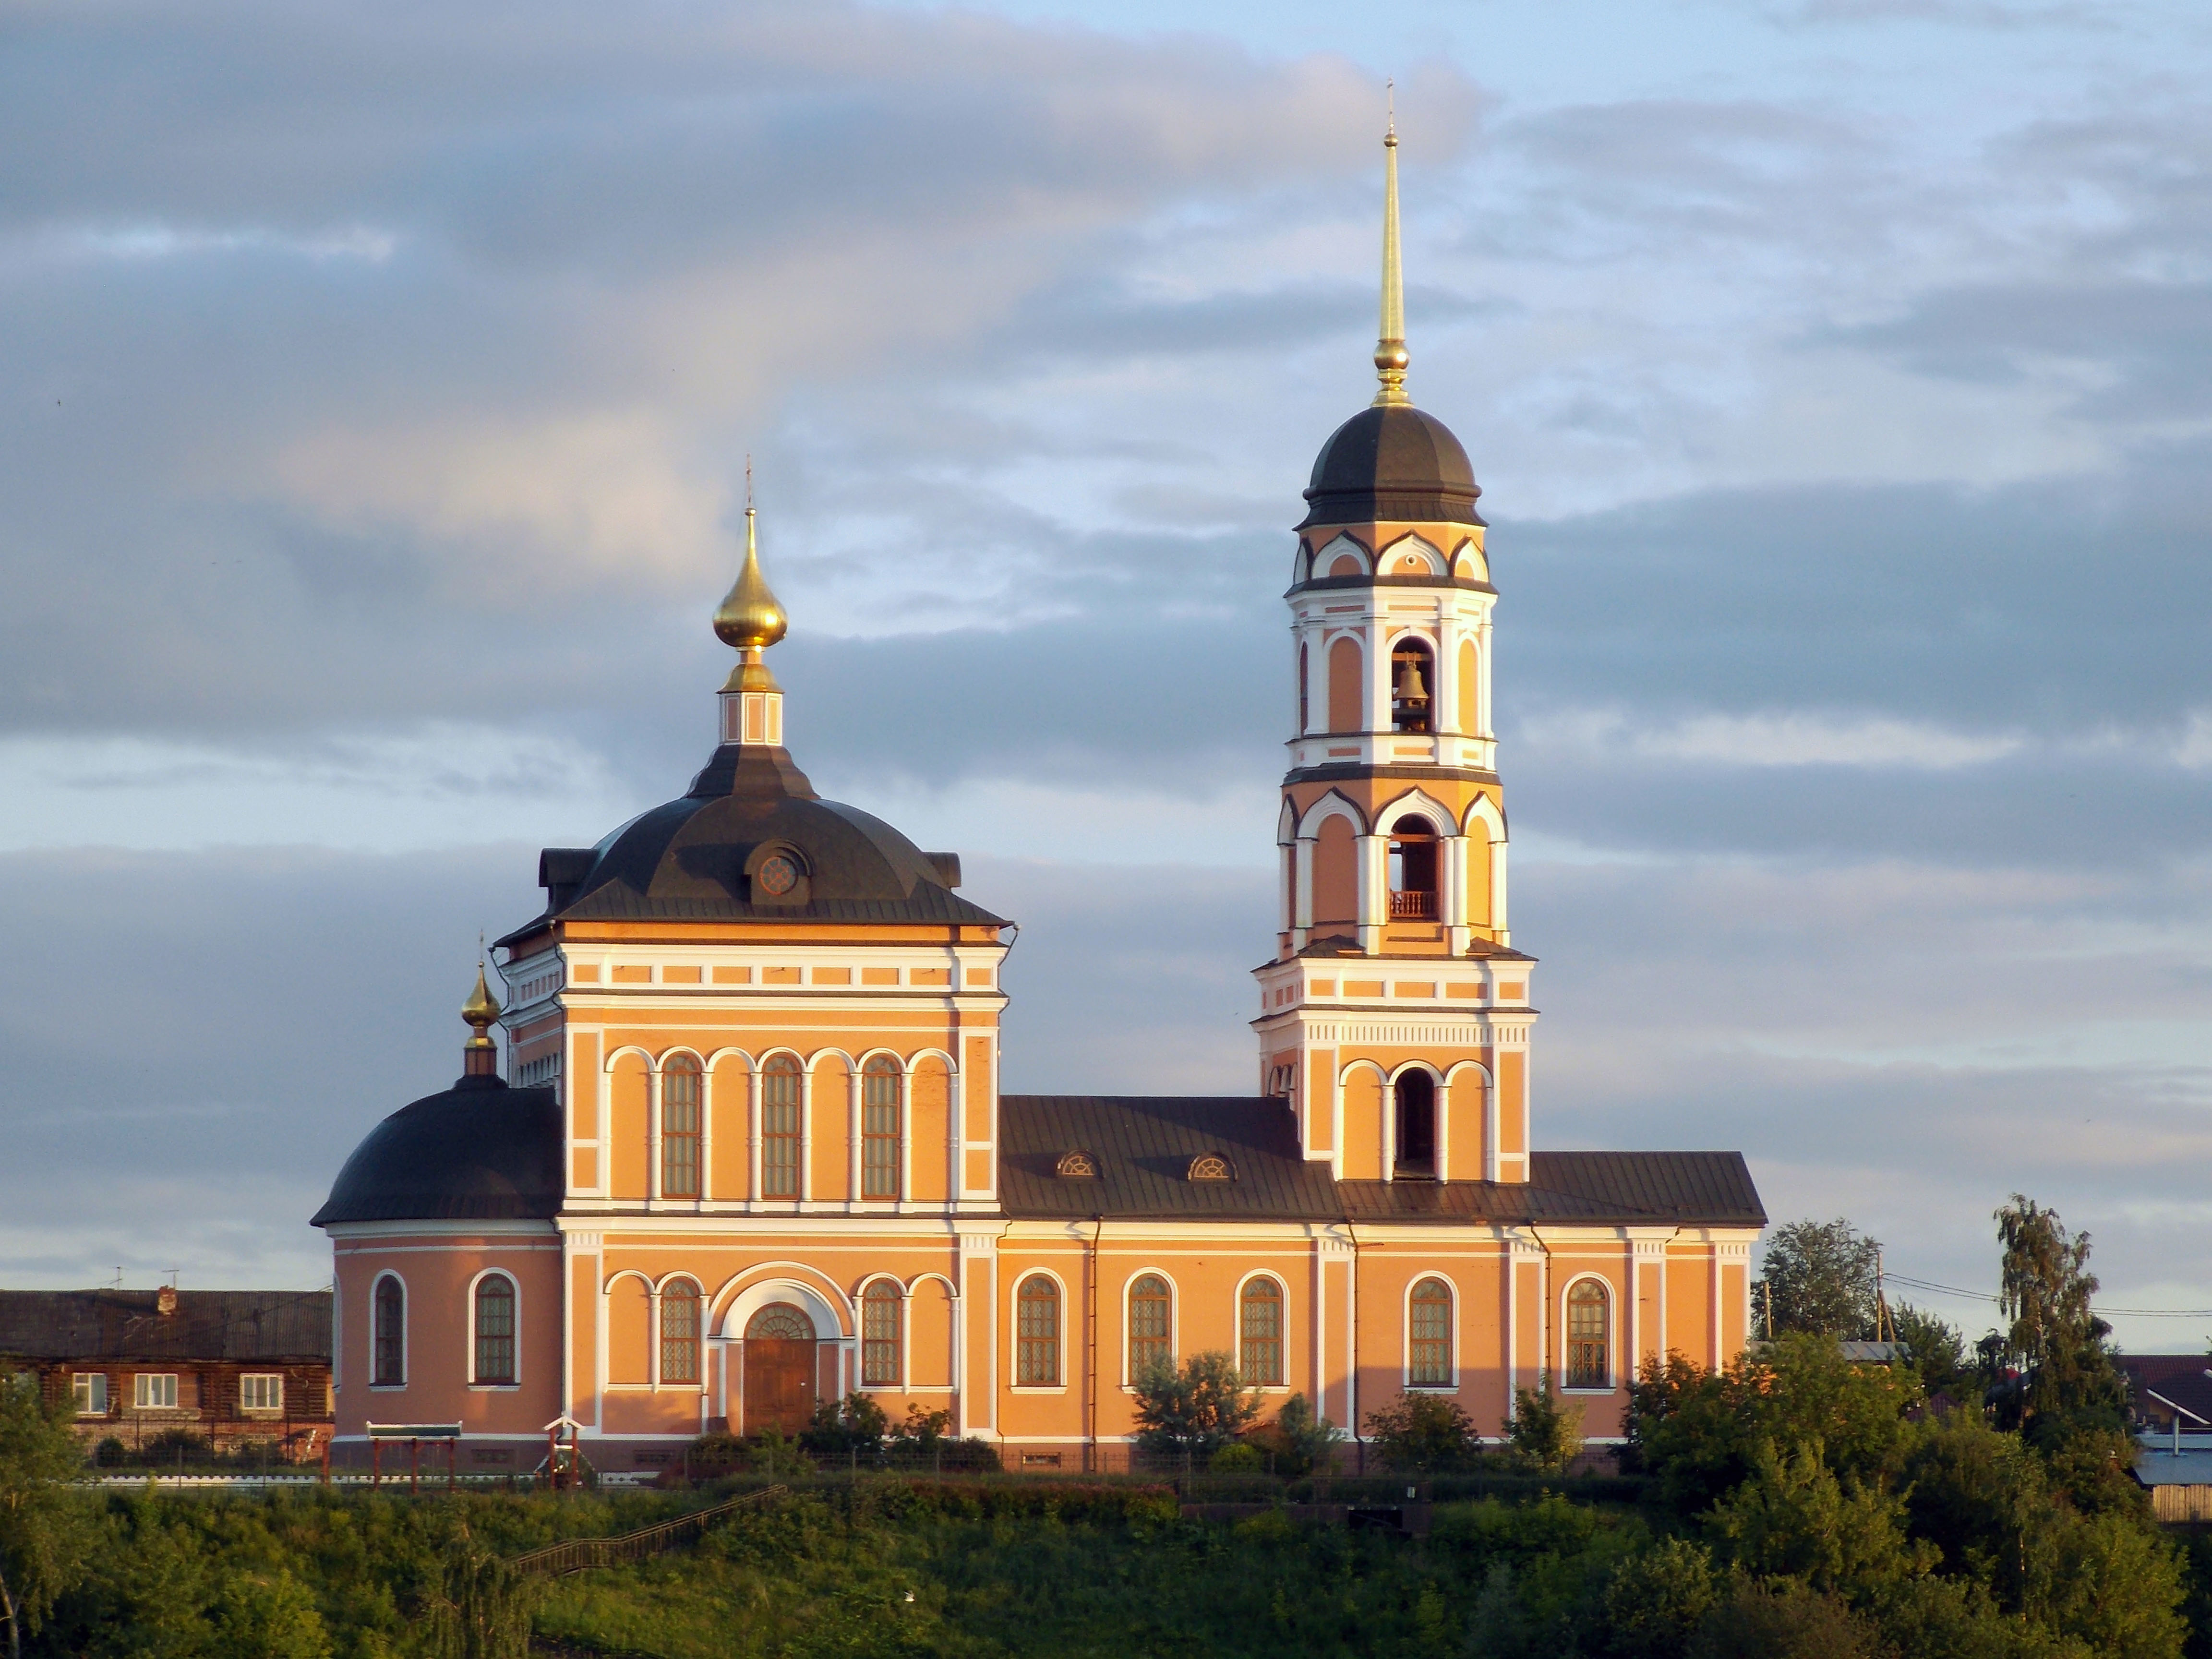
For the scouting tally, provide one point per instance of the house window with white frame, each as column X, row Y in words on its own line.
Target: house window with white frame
column 261, row 1391
column 88, row 1392
column 154, row 1391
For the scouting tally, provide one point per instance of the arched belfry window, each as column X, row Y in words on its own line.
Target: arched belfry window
column 1413, row 870
column 388, row 1362
column 1588, row 1320
column 780, row 1128
column 1415, row 1101
column 679, row 1127
column 879, row 1128
column 494, row 1330
column 1413, row 687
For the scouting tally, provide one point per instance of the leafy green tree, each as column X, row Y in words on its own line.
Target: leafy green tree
column 1196, row 1407
column 1544, row 1434
column 1936, row 1352
column 2044, row 1287
column 1298, row 1441
column 1785, row 1621
column 1655, row 1601
column 42, row 1534
column 1424, row 1433
column 1820, row 1276
column 1793, row 1519
column 850, row 1430
column 272, row 1616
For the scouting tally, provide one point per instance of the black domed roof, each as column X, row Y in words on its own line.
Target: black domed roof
column 1391, row 461
column 700, row 857
column 478, row 1151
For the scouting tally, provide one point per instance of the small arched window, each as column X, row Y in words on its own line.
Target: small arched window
column 1588, row 1362
column 879, row 1335
column 679, row 1332
column 1210, row 1166
column 495, row 1335
column 1151, row 1311
column 1260, row 1333
column 389, row 1316
column 1415, row 1099
column 1077, row 1165
column 780, row 1128
column 1413, row 687
column 1428, row 1356
column 679, row 1127
column 1036, row 1333
column 1305, row 688
column 879, row 1128
column 1413, row 870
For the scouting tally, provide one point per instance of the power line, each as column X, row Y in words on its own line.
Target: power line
column 1985, row 1296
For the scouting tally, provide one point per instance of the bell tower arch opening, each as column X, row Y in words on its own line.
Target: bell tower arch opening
column 1412, row 685
column 1413, row 1117
column 1413, row 870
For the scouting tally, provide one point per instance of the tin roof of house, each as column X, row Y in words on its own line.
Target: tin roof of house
column 251, row 1325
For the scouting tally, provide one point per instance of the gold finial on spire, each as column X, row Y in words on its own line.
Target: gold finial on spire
column 1390, row 358
column 750, row 617
column 480, row 1054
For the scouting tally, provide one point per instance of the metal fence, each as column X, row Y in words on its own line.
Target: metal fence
column 582, row 1554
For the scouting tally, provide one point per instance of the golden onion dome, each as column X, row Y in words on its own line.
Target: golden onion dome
column 750, row 616
column 480, row 1010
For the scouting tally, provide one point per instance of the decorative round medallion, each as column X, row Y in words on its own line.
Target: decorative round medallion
column 777, row 876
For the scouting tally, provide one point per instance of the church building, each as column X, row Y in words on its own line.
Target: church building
column 753, row 1153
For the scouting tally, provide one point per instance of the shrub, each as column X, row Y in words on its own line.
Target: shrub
column 1545, row 1435
column 1788, row 1623
column 1655, row 1601
column 1425, row 1433
column 1299, row 1441
column 1196, row 1407
column 845, row 1430
column 110, row 1453
column 1237, row 1457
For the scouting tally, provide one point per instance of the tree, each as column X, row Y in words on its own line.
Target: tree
column 850, row 1430
column 2044, row 1287
column 1544, row 1434
column 1197, row 1407
column 1422, row 1431
column 1820, row 1276
column 1937, row 1350
column 1298, row 1441
column 42, row 1534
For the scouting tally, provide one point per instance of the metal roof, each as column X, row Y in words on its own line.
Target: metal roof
column 1143, row 1146
column 263, row 1326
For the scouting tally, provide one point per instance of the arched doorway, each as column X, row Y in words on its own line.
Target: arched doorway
column 1416, row 1093
column 779, row 1369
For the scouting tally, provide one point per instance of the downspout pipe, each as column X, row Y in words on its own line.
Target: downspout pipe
column 1091, row 1352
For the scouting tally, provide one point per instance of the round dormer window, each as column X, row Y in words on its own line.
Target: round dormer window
column 777, row 876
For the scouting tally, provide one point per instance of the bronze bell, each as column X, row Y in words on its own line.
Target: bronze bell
column 1410, row 688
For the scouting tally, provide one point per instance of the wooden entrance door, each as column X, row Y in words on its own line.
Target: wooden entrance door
column 779, row 1361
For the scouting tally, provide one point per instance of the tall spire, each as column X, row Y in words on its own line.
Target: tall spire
column 1390, row 358
column 750, row 617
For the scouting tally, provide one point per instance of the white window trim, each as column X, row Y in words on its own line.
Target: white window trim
column 1451, row 1335
column 406, row 1299
column 1059, row 1334
column 655, row 1293
column 470, row 1304
column 101, row 1390
column 1282, row 1338
column 905, row 1324
column 1175, row 1320
column 137, row 1389
column 1612, row 1336
column 244, row 1377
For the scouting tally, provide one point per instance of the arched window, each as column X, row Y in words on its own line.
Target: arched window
column 1260, row 1333
column 780, row 1128
column 879, row 1128
column 1588, row 1362
column 679, row 1127
column 879, row 1335
column 495, row 1322
column 1305, row 688
column 1036, row 1333
column 1413, row 687
column 679, row 1332
column 1150, row 1332
column 1428, row 1346
column 1413, row 870
column 389, row 1314
column 1414, row 1097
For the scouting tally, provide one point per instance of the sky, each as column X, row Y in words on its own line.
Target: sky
column 379, row 387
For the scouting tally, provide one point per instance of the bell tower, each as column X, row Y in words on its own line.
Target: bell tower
column 1396, row 1017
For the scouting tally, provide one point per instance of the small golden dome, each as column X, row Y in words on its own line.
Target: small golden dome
column 750, row 616
column 480, row 1010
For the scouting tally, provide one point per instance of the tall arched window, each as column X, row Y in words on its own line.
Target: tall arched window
column 1415, row 1099
column 1428, row 1346
column 879, row 1128
column 494, row 1330
column 780, row 1128
column 1588, row 1364
column 1305, row 689
column 389, row 1316
column 1036, row 1333
column 1150, row 1330
column 1413, row 870
column 679, row 1127
column 679, row 1332
column 1260, row 1333
column 1413, row 687
column 879, row 1335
